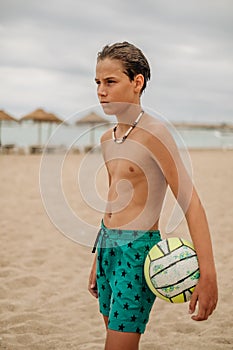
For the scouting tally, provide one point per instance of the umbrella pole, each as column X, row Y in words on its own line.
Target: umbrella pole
column 49, row 130
column 39, row 134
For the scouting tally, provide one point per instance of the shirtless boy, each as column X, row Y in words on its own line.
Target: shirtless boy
column 141, row 162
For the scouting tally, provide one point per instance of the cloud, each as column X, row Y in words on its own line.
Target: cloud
column 48, row 53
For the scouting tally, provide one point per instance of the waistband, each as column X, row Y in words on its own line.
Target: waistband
column 123, row 236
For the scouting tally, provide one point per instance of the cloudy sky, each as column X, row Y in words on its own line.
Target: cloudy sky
column 48, row 54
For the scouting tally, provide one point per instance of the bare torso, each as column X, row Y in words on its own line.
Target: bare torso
column 136, row 183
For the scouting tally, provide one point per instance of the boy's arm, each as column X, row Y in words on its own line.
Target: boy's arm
column 92, row 285
column 167, row 156
column 206, row 290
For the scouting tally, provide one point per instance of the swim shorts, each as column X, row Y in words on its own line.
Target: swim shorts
column 123, row 294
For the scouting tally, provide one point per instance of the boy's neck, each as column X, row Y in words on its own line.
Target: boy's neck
column 128, row 116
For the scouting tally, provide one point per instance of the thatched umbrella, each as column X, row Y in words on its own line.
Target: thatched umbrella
column 40, row 116
column 92, row 120
column 5, row 116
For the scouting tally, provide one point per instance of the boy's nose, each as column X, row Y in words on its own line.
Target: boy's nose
column 102, row 91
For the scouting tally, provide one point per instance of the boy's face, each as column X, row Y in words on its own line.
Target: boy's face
column 113, row 85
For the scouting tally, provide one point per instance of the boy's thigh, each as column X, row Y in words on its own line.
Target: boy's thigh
column 130, row 307
column 131, row 300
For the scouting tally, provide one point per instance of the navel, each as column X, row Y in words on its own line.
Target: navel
column 131, row 169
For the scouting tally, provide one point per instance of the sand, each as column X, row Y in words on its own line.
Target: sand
column 44, row 302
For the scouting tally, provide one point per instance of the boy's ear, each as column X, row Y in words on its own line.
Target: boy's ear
column 139, row 82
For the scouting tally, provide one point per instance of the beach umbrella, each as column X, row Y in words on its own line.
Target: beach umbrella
column 5, row 116
column 92, row 120
column 40, row 116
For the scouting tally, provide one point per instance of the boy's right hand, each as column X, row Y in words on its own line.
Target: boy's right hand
column 92, row 285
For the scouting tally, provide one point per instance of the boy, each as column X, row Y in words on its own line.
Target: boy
column 141, row 160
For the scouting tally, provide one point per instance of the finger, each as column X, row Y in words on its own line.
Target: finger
column 211, row 308
column 92, row 285
column 94, row 292
column 200, row 317
column 92, row 282
column 93, row 289
column 193, row 303
column 203, row 313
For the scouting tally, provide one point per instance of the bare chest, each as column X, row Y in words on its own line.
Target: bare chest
column 130, row 160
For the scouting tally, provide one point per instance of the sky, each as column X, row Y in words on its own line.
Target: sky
column 49, row 47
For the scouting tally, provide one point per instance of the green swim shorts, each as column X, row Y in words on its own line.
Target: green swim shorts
column 122, row 290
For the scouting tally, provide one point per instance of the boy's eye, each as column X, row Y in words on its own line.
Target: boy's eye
column 109, row 81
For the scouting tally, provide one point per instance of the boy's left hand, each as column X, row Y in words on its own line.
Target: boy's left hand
column 206, row 294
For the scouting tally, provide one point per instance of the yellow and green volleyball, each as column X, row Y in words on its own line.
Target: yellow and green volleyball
column 171, row 269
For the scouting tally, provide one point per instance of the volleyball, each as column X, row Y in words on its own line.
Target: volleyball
column 171, row 269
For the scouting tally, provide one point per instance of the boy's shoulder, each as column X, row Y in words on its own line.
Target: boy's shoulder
column 154, row 127
column 157, row 135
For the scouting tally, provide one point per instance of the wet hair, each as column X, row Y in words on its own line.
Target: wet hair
column 133, row 60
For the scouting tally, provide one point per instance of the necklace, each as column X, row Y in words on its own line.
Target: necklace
column 127, row 132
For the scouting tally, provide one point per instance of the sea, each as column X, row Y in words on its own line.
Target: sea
column 28, row 133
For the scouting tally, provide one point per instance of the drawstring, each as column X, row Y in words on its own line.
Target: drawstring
column 103, row 240
column 102, row 245
column 96, row 241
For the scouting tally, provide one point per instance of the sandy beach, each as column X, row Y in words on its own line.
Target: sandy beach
column 44, row 302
